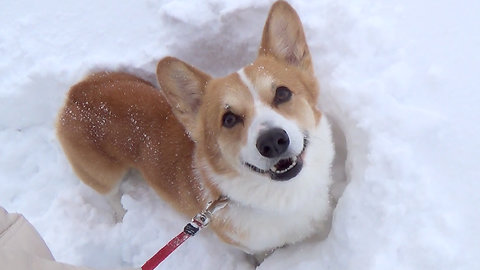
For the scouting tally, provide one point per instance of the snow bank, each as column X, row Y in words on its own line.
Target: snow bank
column 399, row 80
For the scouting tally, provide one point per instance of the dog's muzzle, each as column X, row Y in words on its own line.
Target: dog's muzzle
column 273, row 144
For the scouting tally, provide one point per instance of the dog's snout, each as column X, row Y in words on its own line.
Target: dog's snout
column 273, row 142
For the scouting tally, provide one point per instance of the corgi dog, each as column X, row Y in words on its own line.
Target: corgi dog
column 255, row 136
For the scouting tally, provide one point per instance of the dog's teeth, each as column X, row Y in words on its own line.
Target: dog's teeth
column 275, row 170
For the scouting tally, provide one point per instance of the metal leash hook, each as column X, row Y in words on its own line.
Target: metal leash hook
column 200, row 221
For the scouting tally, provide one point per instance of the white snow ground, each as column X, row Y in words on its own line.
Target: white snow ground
column 399, row 79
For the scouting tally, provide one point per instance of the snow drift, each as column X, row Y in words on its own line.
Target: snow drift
column 399, row 80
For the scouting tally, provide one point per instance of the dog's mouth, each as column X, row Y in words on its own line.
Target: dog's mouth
column 284, row 169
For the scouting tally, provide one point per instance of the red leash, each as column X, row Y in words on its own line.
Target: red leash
column 199, row 222
column 163, row 253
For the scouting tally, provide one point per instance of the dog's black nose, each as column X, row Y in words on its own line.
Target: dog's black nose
column 273, row 142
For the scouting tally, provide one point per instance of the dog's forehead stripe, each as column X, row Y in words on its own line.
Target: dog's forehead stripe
column 248, row 83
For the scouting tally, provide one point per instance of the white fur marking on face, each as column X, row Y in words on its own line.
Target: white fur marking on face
column 248, row 84
column 265, row 118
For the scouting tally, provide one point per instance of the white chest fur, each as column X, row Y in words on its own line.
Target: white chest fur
column 269, row 214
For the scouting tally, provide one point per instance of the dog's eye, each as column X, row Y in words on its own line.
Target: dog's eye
column 282, row 94
column 230, row 119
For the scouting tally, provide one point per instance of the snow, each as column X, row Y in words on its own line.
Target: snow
column 398, row 79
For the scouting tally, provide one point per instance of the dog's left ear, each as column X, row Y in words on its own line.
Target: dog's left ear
column 283, row 37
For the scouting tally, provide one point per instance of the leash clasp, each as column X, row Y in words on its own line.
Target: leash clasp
column 216, row 205
column 201, row 220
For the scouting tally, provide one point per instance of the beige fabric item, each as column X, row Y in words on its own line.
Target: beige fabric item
column 22, row 248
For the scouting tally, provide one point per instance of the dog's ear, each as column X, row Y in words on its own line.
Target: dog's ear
column 184, row 87
column 283, row 37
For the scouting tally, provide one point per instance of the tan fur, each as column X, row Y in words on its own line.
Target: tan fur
column 114, row 121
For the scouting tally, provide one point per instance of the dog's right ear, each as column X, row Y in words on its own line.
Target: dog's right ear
column 184, row 87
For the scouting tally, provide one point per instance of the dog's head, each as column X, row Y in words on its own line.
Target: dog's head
column 255, row 122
